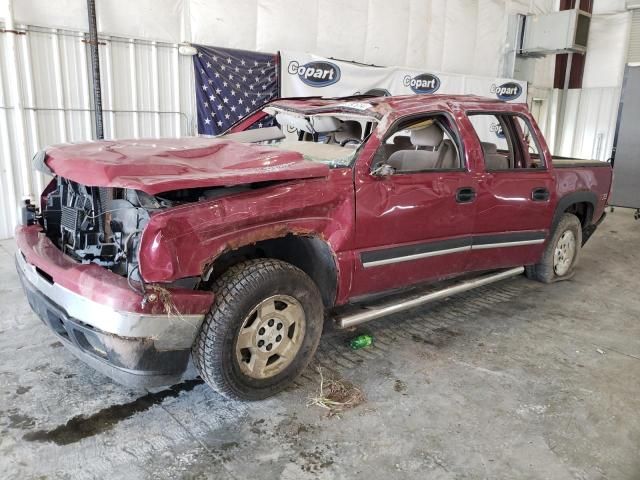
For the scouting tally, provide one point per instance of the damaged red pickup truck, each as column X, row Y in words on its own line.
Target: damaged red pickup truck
column 146, row 254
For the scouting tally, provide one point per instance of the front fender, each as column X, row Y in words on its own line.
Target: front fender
column 183, row 241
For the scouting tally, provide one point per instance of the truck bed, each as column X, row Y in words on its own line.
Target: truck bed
column 566, row 162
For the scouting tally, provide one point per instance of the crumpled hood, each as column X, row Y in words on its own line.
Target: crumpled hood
column 160, row 165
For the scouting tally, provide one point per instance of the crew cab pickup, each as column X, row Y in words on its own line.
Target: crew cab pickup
column 145, row 255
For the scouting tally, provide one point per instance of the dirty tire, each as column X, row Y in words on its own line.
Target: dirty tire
column 238, row 291
column 546, row 271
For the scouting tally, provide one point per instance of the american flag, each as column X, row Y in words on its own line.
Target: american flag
column 230, row 84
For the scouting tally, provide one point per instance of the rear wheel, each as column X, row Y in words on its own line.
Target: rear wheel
column 261, row 331
column 561, row 254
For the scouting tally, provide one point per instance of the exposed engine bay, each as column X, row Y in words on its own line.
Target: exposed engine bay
column 102, row 225
column 97, row 224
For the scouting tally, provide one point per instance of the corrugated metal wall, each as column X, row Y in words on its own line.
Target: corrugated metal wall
column 634, row 41
column 593, row 113
column 147, row 92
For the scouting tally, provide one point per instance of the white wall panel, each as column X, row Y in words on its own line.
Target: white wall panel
column 490, row 42
column 147, row 91
column 299, row 26
column 435, row 35
column 148, row 19
column 590, row 123
column 417, row 41
column 224, row 23
column 633, row 54
column 342, row 29
column 596, row 121
column 609, row 6
column 387, row 32
column 541, row 102
column 68, row 14
column 7, row 165
column 460, row 36
column 564, row 142
column 606, row 54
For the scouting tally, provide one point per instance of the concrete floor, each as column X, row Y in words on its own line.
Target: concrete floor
column 517, row 380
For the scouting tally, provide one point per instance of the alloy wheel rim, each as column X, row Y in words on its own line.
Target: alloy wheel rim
column 564, row 253
column 270, row 336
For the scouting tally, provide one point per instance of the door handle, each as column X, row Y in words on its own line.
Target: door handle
column 540, row 194
column 465, row 195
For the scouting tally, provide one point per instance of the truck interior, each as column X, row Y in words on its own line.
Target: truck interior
column 423, row 144
column 330, row 138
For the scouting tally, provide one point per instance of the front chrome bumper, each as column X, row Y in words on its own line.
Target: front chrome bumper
column 168, row 332
column 135, row 349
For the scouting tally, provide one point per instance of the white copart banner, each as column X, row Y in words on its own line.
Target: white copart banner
column 305, row 75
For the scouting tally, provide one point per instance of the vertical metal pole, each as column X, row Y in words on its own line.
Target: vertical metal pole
column 563, row 107
column 95, row 67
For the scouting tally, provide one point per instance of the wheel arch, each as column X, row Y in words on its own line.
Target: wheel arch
column 310, row 253
column 581, row 204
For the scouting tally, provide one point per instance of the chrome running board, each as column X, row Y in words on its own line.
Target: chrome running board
column 371, row 312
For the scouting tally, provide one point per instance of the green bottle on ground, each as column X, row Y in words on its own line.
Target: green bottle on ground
column 361, row 341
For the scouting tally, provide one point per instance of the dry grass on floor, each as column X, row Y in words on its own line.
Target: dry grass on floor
column 335, row 394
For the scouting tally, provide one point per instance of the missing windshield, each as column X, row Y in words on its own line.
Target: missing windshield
column 332, row 139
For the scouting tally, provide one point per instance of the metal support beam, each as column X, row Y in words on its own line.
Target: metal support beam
column 95, row 68
column 562, row 110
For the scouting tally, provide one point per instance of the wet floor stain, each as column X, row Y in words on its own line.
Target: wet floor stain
column 39, row 368
column 22, row 390
column 81, row 426
column 20, row 420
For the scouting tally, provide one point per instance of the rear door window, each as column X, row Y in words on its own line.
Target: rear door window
column 507, row 141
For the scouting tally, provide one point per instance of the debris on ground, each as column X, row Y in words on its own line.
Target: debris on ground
column 399, row 386
column 361, row 341
column 336, row 395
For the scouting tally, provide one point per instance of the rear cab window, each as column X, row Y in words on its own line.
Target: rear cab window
column 508, row 142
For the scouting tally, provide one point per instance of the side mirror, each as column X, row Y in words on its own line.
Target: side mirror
column 383, row 170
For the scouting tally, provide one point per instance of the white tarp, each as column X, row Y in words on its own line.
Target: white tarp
column 304, row 74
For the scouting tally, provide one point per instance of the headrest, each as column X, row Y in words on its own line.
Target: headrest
column 299, row 123
column 427, row 137
column 350, row 129
column 322, row 124
column 489, row 147
column 402, row 141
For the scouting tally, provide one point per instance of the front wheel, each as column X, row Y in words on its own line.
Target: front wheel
column 262, row 330
column 561, row 254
